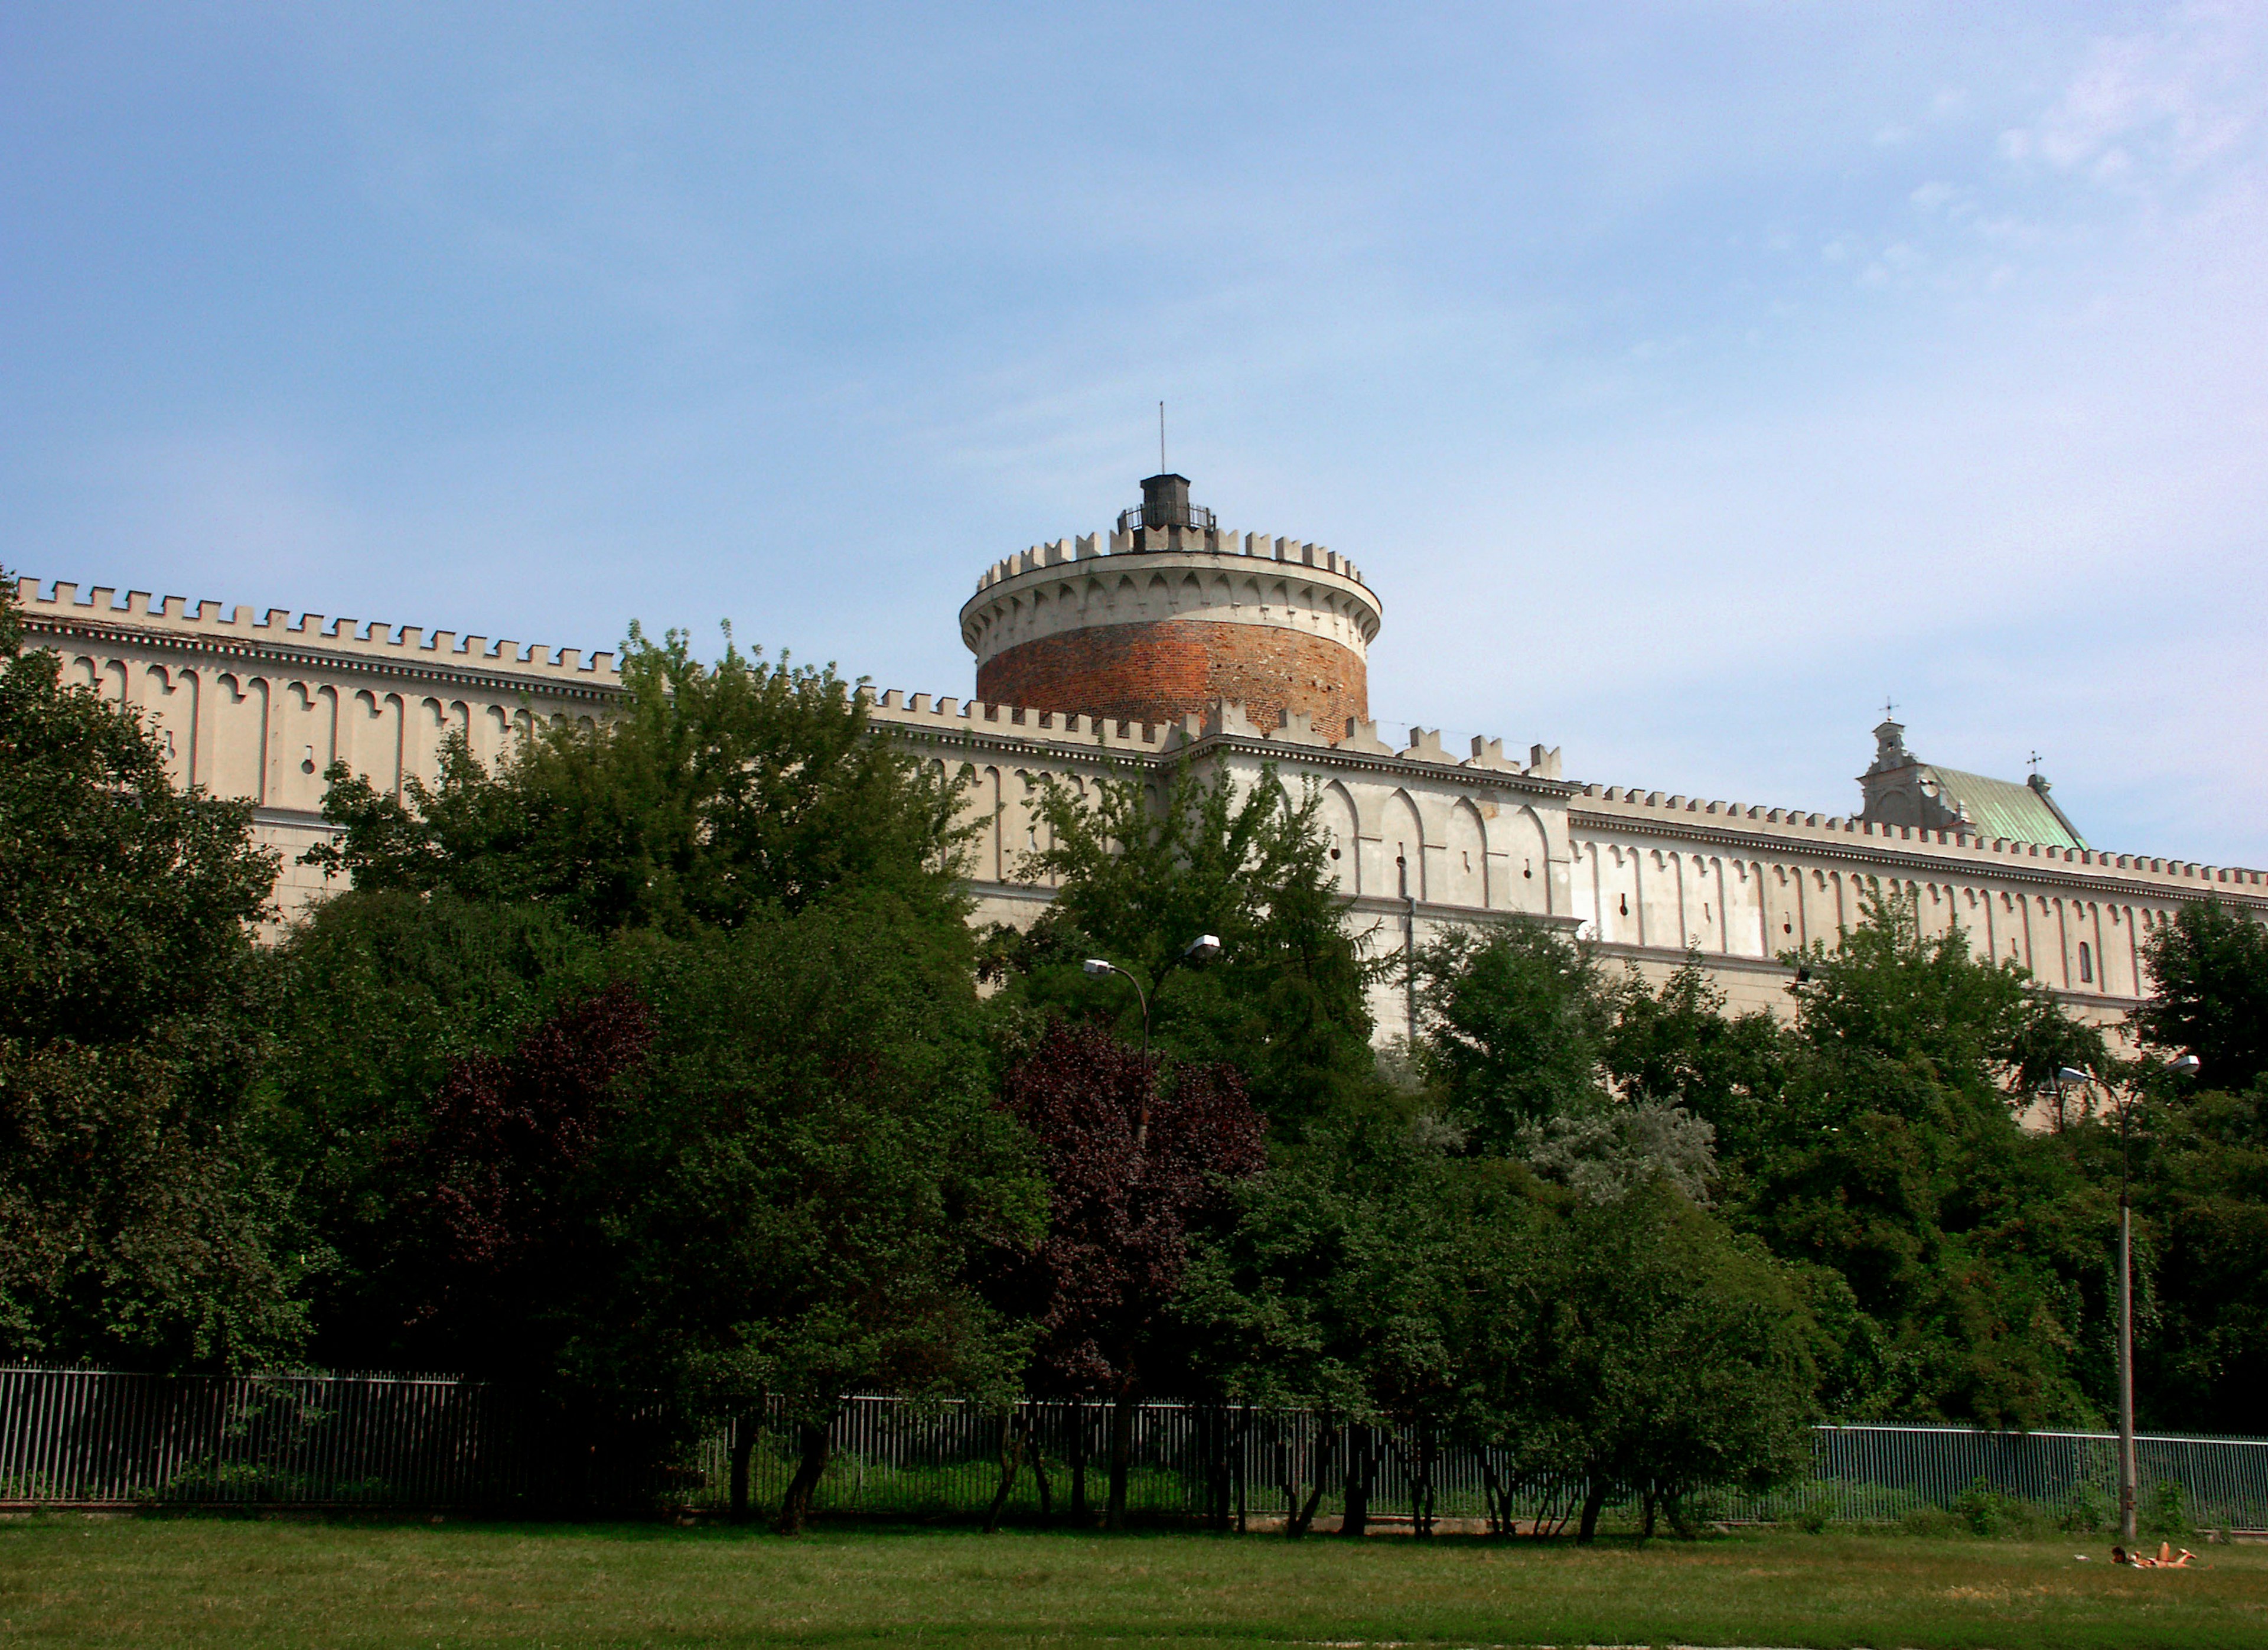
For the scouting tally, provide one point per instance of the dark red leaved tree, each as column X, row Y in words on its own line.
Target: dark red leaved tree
column 506, row 1133
column 1121, row 1206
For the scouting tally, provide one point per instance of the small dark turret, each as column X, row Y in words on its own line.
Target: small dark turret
column 1166, row 504
column 1166, row 501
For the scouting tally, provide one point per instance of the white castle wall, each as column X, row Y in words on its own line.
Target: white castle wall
column 258, row 708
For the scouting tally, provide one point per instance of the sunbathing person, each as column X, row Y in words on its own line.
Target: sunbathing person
column 2165, row 1561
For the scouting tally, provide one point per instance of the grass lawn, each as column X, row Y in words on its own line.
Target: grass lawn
column 154, row 1582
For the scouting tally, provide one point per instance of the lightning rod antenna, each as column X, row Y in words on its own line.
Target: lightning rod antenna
column 1161, row 438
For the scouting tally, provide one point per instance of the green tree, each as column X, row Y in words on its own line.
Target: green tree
column 2209, row 993
column 138, row 1225
column 1634, row 1345
column 1141, row 871
column 805, row 1174
column 1678, row 1047
column 2201, row 1198
column 713, row 794
column 1897, row 1160
column 1516, row 1019
column 1338, row 1283
column 124, row 901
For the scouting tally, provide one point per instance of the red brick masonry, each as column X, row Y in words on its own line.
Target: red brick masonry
column 1164, row 669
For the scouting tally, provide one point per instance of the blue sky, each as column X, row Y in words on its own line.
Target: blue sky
column 1686, row 377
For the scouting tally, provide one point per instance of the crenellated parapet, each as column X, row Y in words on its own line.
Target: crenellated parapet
column 208, row 626
column 1154, row 540
column 1888, row 843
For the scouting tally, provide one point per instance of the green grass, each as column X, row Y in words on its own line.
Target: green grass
column 160, row 1583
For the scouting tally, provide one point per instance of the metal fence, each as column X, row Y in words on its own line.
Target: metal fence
column 81, row 1436
column 98, row 1438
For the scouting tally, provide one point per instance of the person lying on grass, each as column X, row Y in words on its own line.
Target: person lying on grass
column 2165, row 1561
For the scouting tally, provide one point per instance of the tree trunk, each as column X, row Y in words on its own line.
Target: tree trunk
column 1236, row 1469
column 1595, row 1500
column 1646, row 1529
column 1303, row 1518
column 1122, row 1456
column 795, row 1505
column 1499, row 1499
column 745, row 1430
column 1079, row 1515
column 1421, row 1498
column 1362, row 1467
column 1013, row 1425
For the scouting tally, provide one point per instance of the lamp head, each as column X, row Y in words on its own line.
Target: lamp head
column 1097, row 966
column 2067, row 1075
column 1203, row 948
column 2187, row 1065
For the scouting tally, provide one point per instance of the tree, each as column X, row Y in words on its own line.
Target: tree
column 714, row 794
column 497, row 1240
column 138, row 1224
column 1140, row 873
column 2209, row 977
column 2201, row 1197
column 1336, row 1287
column 1894, row 1157
column 139, row 1228
column 1516, row 1021
column 1678, row 1047
column 1634, row 1345
column 1122, row 1204
column 380, row 997
column 124, row 902
column 806, row 1172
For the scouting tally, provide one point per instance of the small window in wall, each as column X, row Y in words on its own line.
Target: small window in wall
column 2085, row 964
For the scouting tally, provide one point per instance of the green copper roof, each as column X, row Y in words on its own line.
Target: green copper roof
column 2000, row 808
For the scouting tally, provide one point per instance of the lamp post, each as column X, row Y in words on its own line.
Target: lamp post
column 1203, row 948
column 2185, row 1065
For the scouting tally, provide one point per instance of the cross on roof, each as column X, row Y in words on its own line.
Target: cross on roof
column 2035, row 762
column 1889, row 709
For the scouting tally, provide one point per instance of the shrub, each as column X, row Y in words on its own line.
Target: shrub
column 1814, row 1516
column 1930, row 1521
column 2165, row 1514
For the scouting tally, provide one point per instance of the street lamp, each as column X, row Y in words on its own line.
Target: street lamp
column 1097, row 968
column 2184, row 1065
column 1203, row 948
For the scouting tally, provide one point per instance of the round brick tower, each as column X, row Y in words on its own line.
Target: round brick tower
column 1157, row 620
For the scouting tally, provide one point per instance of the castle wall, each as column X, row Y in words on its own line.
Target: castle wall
column 258, row 709
column 1422, row 838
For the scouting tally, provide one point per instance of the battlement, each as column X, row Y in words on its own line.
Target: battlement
column 1225, row 716
column 377, row 640
column 1637, row 805
column 1150, row 541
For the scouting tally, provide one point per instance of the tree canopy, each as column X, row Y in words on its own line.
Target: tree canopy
column 139, row 1222
column 1142, row 867
column 712, row 794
